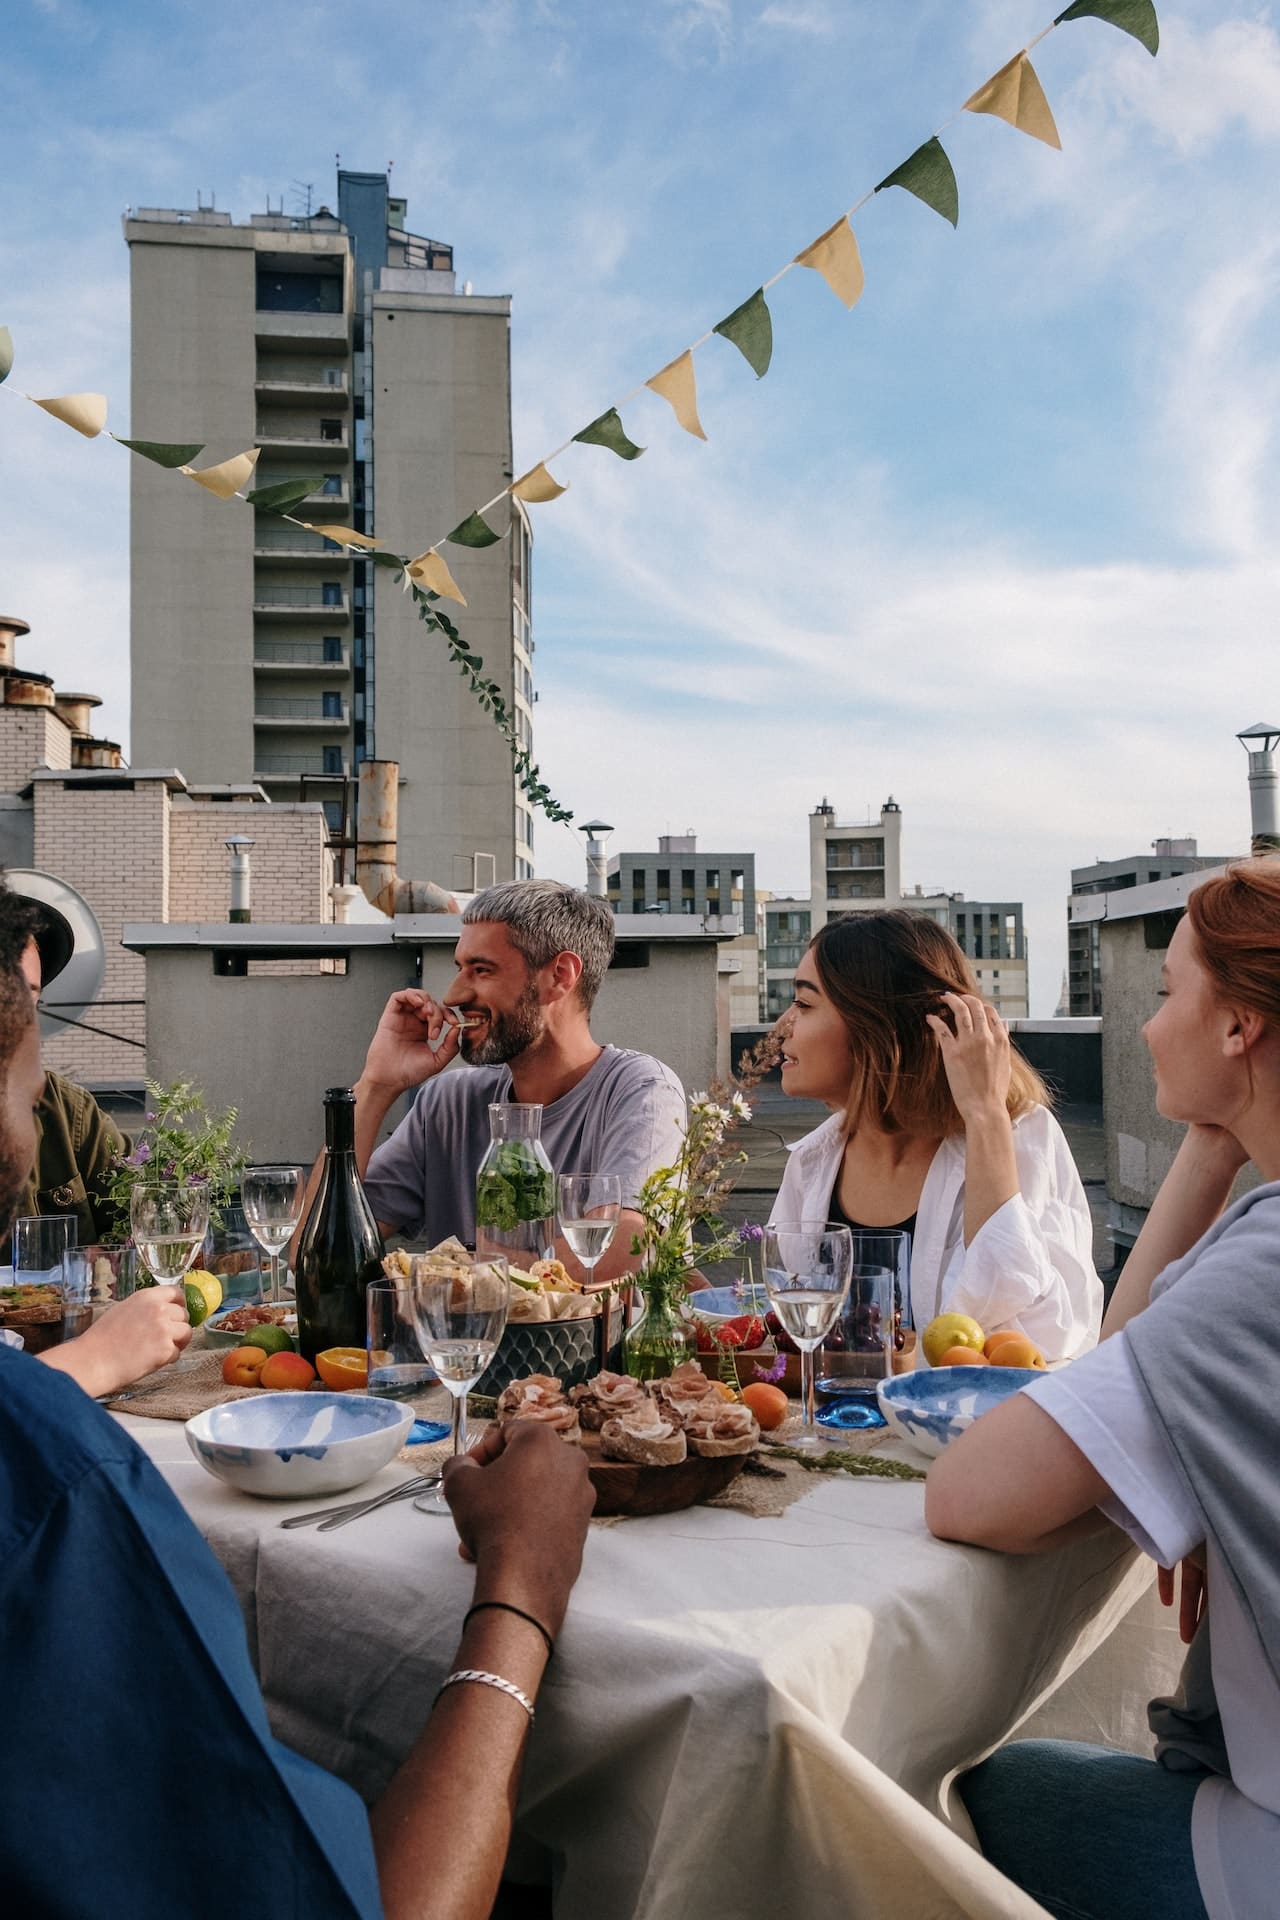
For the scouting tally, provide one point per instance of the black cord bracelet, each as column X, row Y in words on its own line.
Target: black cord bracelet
column 505, row 1606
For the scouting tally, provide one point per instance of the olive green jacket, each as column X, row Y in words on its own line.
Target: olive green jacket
column 76, row 1143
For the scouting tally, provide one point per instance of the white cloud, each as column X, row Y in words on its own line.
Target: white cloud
column 816, row 21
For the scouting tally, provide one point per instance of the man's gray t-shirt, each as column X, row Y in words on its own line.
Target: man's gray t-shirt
column 624, row 1116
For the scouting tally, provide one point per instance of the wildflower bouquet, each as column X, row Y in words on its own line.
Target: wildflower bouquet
column 184, row 1143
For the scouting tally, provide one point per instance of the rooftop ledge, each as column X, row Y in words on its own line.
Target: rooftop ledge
column 1132, row 903
column 409, row 929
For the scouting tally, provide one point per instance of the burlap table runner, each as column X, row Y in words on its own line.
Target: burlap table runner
column 176, row 1392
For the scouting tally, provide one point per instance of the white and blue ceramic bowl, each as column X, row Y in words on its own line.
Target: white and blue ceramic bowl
column 289, row 1446
column 726, row 1303
column 933, row 1406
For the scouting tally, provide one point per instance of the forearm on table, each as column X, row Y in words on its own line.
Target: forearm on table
column 990, row 1169
column 442, row 1828
column 1192, row 1195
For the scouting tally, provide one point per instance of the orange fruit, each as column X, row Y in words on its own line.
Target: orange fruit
column 1015, row 1350
column 769, row 1404
column 994, row 1341
column 962, row 1357
column 723, row 1388
column 343, row 1367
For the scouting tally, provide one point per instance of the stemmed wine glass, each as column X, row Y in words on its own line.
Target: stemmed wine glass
column 461, row 1317
column 169, row 1222
column 589, row 1207
column 272, row 1199
column 807, row 1267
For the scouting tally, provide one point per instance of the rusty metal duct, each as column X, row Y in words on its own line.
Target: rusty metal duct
column 376, row 822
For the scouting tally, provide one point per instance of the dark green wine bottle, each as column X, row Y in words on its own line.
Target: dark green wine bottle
column 341, row 1249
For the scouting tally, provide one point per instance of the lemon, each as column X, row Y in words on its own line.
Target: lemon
column 950, row 1330
column 203, row 1293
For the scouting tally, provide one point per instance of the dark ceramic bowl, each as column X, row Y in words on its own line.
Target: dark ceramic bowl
column 568, row 1350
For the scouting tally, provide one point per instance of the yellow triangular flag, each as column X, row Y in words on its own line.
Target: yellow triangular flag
column 346, row 536
column 678, row 387
column 1015, row 94
column 228, row 476
column 834, row 254
column 430, row 571
column 537, row 487
column 86, row 412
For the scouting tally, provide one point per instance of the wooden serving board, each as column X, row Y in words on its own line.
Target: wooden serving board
column 622, row 1488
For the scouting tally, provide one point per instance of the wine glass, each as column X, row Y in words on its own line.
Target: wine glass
column 807, row 1265
column 272, row 1199
column 589, row 1207
column 169, row 1223
column 461, row 1317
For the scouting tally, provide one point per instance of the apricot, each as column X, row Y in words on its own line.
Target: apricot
column 769, row 1404
column 1015, row 1350
column 962, row 1357
column 288, row 1370
column 243, row 1367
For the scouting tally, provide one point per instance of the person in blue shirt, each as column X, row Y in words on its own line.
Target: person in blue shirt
column 125, row 1662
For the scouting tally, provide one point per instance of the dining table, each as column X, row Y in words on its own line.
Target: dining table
column 747, row 1717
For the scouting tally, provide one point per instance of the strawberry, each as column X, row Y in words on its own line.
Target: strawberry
column 747, row 1330
column 702, row 1333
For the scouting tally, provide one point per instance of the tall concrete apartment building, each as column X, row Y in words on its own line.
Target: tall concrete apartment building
column 340, row 346
column 1085, row 912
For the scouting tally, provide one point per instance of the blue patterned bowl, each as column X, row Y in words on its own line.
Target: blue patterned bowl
column 566, row 1349
column 289, row 1446
column 931, row 1407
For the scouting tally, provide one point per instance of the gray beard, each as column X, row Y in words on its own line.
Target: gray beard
column 507, row 1034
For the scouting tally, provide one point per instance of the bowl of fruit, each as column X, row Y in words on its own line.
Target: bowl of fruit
column 291, row 1446
column 934, row 1405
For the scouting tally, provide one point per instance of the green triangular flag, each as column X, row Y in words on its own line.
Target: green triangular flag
column 608, row 431
column 930, row 176
column 751, row 330
column 473, row 532
column 165, row 453
column 6, row 352
column 283, row 496
column 1137, row 17
column 381, row 559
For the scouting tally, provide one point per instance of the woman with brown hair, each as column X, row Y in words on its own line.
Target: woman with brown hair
column 940, row 1128
column 1171, row 1432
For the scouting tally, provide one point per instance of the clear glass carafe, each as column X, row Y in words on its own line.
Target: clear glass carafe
column 516, row 1187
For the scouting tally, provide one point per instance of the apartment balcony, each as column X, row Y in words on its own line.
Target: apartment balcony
column 298, row 658
column 271, row 768
column 300, row 603
column 316, row 332
column 329, row 499
column 315, row 714
column 277, row 440
column 272, row 542
column 279, row 390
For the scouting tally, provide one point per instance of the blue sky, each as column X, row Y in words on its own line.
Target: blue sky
column 1001, row 542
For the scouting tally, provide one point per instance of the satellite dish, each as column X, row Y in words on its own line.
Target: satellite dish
column 77, row 984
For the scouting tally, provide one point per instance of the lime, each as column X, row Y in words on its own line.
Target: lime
column 270, row 1339
column 207, row 1284
column 197, row 1305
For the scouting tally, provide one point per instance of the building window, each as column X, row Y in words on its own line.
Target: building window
column 332, row 483
column 333, row 376
column 331, row 648
column 331, row 705
column 331, row 429
column 298, row 292
column 331, row 593
column 331, row 761
column 687, row 878
column 663, row 878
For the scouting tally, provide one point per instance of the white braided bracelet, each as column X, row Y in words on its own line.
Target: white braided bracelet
column 490, row 1680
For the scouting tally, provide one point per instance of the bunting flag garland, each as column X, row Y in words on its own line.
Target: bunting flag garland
column 834, row 254
column 677, row 385
column 1015, row 94
column 473, row 532
column 282, row 497
column 750, row 328
column 537, row 486
column 608, row 431
column 165, row 453
column 931, row 177
column 1137, row 17
column 430, row 571
column 86, row 412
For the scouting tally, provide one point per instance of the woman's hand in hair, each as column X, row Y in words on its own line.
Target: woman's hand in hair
column 976, row 1057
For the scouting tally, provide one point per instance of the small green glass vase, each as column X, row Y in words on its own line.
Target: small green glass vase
column 661, row 1338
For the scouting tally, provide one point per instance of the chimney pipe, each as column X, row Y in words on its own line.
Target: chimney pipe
column 597, row 858
column 376, row 819
column 238, row 847
column 1260, row 742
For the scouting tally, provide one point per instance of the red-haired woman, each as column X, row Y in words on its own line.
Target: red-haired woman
column 1170, row 1431
column 939, row 1128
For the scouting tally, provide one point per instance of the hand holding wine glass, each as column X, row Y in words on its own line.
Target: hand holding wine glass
column 461, row 1317
column 589, row 1206
column 169, row 1223
column 272, row 1199
column 807, row 1266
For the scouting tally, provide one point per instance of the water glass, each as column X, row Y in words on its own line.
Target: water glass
column 39, row 1242
column 398, row 1368
column 461, row 1317
column 858, row 1354
column 272, row 1199
column 77, row 1292
column 807, row 1266
column 169, row 1222
column 589, row 1205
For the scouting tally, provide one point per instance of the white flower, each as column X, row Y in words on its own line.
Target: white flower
column 741, row 1106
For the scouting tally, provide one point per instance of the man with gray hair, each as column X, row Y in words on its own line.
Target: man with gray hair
column 530, row 959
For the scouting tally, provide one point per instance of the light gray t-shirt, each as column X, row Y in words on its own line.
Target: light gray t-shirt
column 624, row 1116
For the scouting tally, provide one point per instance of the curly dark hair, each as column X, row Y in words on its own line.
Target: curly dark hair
column 19, row 921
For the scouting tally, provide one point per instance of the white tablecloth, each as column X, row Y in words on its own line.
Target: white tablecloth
column 756, row 1718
